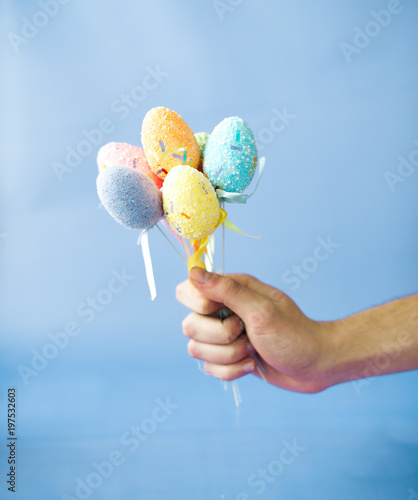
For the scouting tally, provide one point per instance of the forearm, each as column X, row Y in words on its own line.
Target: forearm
column 376, row 341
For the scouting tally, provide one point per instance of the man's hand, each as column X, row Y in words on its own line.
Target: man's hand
column 296, row 352
column 289, row 345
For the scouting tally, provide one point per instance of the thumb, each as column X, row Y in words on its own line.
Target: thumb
column 225, row 290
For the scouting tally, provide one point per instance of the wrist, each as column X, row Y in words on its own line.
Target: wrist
column 330, row 335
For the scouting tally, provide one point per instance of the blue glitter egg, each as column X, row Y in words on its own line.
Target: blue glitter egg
column 130, row 197
column 230, row 156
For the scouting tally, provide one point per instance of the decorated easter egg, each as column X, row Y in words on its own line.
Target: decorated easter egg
column 130, row 197
column 190, row 203
column 230, row 156
column 123, row 154
column 168, row 141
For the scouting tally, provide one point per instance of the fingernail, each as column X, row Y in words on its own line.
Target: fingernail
column 250, row 348
column 249, row 367
column 200, row 275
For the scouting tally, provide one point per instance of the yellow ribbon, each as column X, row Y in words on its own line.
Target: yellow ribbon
column 195, row 259
column 232, row 227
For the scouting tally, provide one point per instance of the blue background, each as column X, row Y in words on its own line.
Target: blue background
column 325, row 176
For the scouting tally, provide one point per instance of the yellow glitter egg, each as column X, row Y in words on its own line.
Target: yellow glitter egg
column 190, row 203
column 168, row 141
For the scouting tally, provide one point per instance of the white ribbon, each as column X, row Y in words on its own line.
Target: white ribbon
column 143, row 241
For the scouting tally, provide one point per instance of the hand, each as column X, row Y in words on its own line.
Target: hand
column 265, row 321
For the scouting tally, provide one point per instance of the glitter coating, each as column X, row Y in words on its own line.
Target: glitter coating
column 168, row 141
column 201, row 139
column 230, row 156
column 130, row 197
column 190, row 203
column 123, row 154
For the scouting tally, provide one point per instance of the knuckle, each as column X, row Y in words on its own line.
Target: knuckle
column 278, row 296
column 180, row 291
column 262, row 315
column 204, row 306
column 231, row 329
column 224, row 372
column 256, row 319
column 191, row 348
column 267, row 308
column 211, row 369
column 230, row 287
column 242, row 278
column 228, row 335
column 231, row 356
column 187, row 326
column 228, row 373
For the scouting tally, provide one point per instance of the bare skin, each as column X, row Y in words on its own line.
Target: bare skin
column 297, row 353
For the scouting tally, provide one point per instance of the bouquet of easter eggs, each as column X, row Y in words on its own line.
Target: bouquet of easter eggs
column 179, row 179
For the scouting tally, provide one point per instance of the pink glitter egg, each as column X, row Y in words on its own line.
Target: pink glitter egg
column 125, row 155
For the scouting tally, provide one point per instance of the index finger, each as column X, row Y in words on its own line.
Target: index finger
column 191, row 297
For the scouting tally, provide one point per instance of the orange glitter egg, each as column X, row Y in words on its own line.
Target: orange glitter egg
column 168, row 141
